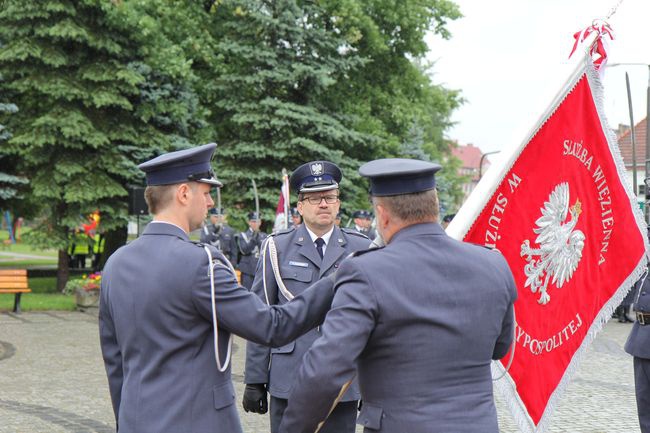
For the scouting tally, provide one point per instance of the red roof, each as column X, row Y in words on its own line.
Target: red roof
column 625, row 144
column 470, row 155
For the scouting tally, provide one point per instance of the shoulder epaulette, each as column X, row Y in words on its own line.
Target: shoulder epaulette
column 283, row 231
column 362, row 252
column 486, row 247
column 350, row 231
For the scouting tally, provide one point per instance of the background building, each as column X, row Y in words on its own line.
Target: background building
column 471, row 159
column 624, row 135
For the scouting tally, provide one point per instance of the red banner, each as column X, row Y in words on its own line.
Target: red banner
column 567, row 223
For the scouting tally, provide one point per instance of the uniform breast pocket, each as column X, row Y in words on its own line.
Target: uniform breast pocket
column 304, row 275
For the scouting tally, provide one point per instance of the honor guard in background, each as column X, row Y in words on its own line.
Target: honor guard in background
column 638, row 345
column 296, row 219
column 363, row 223
column 167, row 303
column 301, row 255
column 220, row 235
column 418, row 321
column 249, row 244
column 446, row 220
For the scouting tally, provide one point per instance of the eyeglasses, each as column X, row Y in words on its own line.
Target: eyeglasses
column 316, row 200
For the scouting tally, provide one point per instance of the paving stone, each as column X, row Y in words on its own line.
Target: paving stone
column 54, row 381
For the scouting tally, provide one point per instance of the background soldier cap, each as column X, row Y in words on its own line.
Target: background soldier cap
column 294, row 211
column 216, row 211
column 364, row 214
column 253, row 216
column 315, row 176
column 395, row 176
column 447, row 218
column 181, row 166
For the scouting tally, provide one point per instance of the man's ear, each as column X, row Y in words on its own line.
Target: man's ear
column 183, row 193
column 382, row 214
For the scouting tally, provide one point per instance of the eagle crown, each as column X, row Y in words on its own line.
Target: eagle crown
column 576, row 208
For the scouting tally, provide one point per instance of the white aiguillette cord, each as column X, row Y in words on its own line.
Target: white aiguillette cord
column 273, row 255
column 223, row 367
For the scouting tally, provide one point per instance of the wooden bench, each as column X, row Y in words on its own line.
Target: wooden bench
column 14, row 281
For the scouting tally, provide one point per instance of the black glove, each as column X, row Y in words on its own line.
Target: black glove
column 255, row 398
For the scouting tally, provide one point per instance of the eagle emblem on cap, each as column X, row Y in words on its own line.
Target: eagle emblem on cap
column 560, row 244
column 316, row 169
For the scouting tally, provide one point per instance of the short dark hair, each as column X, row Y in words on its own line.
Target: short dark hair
column 412, row 208
column 158, row 197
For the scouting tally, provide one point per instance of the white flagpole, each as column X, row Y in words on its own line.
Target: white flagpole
column 285, row 193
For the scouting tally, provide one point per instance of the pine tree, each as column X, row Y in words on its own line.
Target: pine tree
column 10, row 184
column 280, row 59
column 90, row 109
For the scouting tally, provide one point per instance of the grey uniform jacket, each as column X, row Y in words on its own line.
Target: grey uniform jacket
column 420, row 320
column 223, row 238
column 638, row 342
column 249, row 250
column 157, row 335
column 300, row 266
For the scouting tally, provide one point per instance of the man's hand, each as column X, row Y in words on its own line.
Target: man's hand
column 255, row 398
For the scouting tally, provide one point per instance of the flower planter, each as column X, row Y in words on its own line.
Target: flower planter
column 87, row 298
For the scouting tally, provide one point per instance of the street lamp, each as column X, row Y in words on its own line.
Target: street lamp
column 480, row 164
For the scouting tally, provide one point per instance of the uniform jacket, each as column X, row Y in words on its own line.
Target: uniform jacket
column 369, row 232
column 249, row 250
column 223, row 238
column 638, row 342
column 156, row 332
column 300, row 266
column 420, row 320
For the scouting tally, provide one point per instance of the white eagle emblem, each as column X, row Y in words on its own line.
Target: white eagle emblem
column 316, row 169
column 560, row 245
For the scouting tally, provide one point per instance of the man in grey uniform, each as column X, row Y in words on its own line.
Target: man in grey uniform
column 420, row 321
column 161, row 316
column 249, row 244
column 638, row 345
column 306, row 253
column 220, row 235
column 363, row 223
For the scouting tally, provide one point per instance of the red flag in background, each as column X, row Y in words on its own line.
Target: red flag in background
column 282, row 209
column 565, row 218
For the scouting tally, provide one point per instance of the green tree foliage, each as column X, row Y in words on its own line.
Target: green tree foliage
column 90, row 109
column 103, row 85
column 280, row 59
column 10, row 184
column 392, row 90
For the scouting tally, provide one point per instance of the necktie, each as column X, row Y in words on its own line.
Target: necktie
column 319, row 246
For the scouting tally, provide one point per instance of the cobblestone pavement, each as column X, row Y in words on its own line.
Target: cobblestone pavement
column 52, row 380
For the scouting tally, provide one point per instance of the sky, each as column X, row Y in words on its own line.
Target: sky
column 504, row 54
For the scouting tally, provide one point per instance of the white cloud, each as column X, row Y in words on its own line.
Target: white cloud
column 503, row 53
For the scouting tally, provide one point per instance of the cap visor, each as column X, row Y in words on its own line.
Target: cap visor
column 211, row 181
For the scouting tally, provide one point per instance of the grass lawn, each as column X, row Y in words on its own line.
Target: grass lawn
column 39, row 302
column 22, row 247
column 43, row 297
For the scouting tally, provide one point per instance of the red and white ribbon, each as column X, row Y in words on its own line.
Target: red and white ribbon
column 598, row 49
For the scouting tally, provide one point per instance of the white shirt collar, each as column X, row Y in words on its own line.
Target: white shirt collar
column 325, row 237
